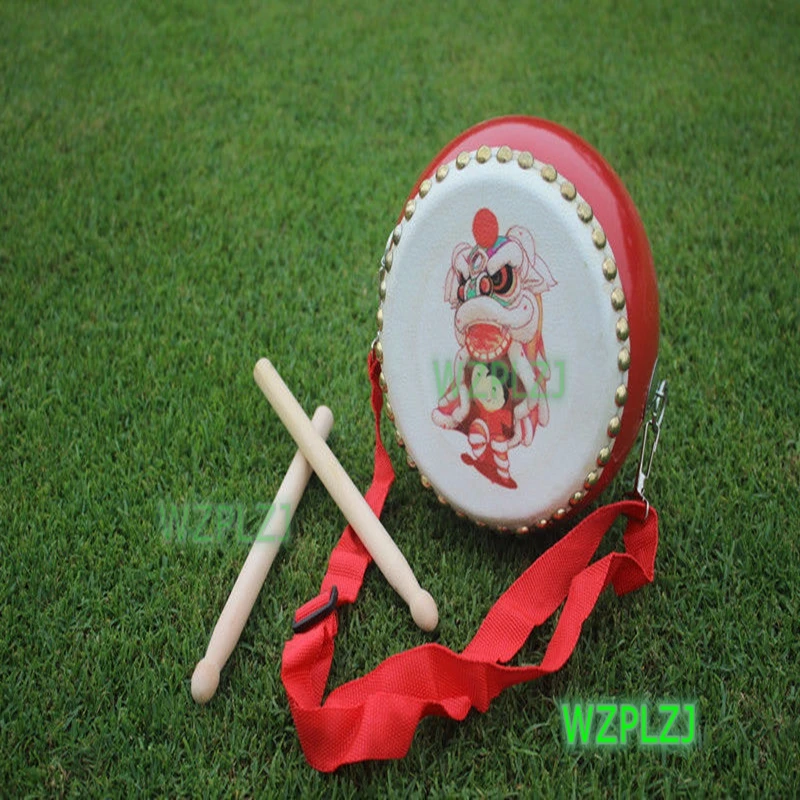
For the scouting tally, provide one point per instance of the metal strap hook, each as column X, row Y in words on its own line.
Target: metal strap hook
column 650, row 437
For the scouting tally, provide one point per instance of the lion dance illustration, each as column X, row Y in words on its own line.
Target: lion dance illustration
column 498, row 396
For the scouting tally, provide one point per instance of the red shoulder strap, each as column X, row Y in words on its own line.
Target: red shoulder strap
column 374, row 717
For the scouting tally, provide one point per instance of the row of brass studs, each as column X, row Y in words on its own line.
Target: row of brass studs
column 586, row 215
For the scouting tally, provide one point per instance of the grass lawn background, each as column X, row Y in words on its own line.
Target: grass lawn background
column 186, row 187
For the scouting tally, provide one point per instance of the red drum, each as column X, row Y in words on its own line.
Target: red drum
column 518, row 325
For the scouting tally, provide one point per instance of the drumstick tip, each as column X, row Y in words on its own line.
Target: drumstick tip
column 323, row 420
column 424, row 611
column 204, row 681
column 261, row 365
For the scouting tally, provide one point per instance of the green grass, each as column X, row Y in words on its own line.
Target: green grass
column 186, row 187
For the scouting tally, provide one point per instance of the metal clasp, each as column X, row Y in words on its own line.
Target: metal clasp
column 650, row 437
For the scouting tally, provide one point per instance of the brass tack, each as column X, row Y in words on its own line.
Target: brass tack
column 599, row 238
column 463, row 159
column 549, row 173
column 387, row 407
column 397, row 233
column 525, row 160
column 398, row 438
column 568, row 190
column 388, row 259
column 424, row 481
column 411, row 207
column 609, row 269
column 623, row 331
column 618, row 299
column 424, row 187
column 576, row 498
column 560, row 513
column 379, row 318
column 441, row 173
column 484, row 154
column 624, row 359
column 621, row 395
column 382, row 382
column 382, row 289
column 603, row 456
column 591, row 479
column 377, row 349
column 585, row 213
column 614, row 426
column 504, row 154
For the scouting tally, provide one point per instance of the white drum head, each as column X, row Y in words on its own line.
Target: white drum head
column 503, row 340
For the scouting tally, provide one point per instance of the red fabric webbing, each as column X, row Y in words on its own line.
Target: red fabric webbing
column 374, row 717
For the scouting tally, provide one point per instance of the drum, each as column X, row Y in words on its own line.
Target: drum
column 518, row 324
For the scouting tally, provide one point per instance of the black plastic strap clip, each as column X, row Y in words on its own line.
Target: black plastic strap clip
column 318, row 614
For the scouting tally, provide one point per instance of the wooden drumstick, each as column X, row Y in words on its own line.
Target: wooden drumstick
column 256, row 566
column 387, row 556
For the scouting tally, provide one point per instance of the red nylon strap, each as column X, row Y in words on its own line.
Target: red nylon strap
column 374, row 717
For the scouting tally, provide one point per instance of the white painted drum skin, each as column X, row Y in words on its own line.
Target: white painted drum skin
column 536, row 372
